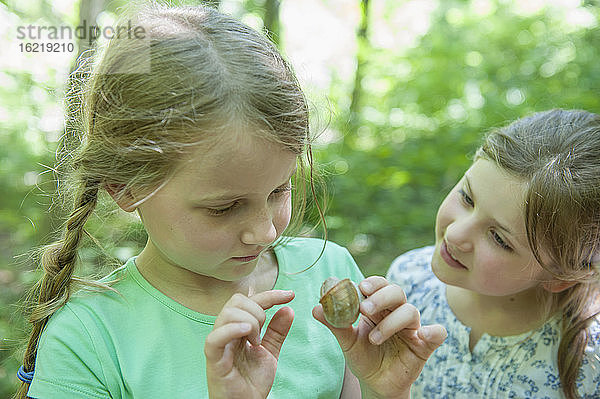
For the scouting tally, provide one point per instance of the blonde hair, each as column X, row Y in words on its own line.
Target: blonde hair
column 146, row 102
column 558, row 153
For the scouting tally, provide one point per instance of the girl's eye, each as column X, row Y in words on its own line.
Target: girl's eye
column 500, row 241
column 465, row 197
column 221, row 211
column 282, row 190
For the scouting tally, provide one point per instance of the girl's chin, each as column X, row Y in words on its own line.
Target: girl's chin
column 436, row 261
column 440, row 269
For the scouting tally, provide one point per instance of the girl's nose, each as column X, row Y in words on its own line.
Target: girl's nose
column 260, row 230
column 459, row 234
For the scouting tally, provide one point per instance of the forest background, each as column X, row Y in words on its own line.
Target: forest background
column 401, row 92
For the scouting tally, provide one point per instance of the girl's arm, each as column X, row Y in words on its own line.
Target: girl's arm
column 350, row 386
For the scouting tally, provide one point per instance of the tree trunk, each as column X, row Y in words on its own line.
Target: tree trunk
column 271, row 20
column 361, row 59
column 88, row 12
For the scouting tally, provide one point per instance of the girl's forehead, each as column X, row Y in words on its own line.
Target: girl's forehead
column 488, row 176
column 498, row 195
column 234, row 149
column 239, row 165
column 234, row 139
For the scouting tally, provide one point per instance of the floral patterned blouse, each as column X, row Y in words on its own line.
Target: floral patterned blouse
column 520, row 366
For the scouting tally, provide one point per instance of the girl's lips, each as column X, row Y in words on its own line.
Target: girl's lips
column 245, row 258
column 449, row 259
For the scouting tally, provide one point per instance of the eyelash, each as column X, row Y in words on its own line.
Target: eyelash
column 465, row 197
column 500, row 241
column 219, row 212
column 495, row 236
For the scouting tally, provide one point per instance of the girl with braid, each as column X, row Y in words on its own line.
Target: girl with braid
column 513, row 274
column 201, row 128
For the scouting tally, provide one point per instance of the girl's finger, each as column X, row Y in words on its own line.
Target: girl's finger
column 232, row 314
column 268, row 299
column 405, row 317
column 386, row 298
column 372, row 284
column 217, row 339
column 243, row 302
column 277, row 330
column 432, row 336
column 240, row 308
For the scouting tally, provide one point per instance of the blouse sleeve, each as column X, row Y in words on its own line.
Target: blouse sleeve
column 411, row 269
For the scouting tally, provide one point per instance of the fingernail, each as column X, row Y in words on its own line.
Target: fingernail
column 375, row 337
column 426, row 332
column 366, row 286
column 368, row 306
column 245, row 327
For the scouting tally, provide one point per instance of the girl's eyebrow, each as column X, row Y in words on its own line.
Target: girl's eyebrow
column 495, row 222
column 226, row 196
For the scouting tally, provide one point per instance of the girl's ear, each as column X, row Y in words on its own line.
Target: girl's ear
column 124, row 198
column 556, row 286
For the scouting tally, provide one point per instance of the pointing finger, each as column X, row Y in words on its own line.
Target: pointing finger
column 215, row 342
column 277, row 330
column 268, row 299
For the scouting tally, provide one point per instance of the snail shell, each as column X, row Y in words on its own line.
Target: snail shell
column 340, row 300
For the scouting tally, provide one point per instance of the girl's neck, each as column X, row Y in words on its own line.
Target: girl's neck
column 205, row 294
column 498, row 316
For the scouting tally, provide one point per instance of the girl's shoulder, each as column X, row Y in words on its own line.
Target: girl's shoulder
column 308, row 245
column 594, row 329
column 592, row 350
column 588, row 382
column 412, row 267
column 325, row 258
column 114, row 293
column 308, row 249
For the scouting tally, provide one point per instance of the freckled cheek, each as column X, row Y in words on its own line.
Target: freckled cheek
column 202, row 237
column 160, row 227
column 492, row 278
column 282, row 217
column 490, row 283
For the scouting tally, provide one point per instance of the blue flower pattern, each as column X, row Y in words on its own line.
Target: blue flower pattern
column 520, row 366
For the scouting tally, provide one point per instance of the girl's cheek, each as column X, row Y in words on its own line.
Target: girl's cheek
column 206, row 234
column 491, row 274
column 283, row 216
column 443, row 217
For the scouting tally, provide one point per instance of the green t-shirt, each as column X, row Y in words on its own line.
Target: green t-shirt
column 139, row 343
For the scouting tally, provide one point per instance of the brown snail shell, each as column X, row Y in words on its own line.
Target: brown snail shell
column 340, row 300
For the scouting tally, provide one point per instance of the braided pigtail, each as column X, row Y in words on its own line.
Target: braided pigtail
column 58, row 261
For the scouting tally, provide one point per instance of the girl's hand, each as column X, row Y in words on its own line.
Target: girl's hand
column 238, row 363
column 389, row 347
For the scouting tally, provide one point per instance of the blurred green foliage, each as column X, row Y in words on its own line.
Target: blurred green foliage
column 389, row 164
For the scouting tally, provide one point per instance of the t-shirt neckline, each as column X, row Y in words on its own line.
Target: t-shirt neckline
column 165, row 300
